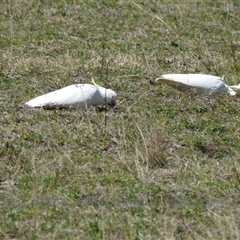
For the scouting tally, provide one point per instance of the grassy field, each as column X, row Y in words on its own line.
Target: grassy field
column 161, row 164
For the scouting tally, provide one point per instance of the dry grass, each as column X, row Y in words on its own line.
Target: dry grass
column 161, row 164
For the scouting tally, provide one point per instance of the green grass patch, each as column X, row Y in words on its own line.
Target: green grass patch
column 161, row 164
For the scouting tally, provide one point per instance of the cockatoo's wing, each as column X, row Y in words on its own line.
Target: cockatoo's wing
column 75, row 96
column 176, row 84
column 201, row 83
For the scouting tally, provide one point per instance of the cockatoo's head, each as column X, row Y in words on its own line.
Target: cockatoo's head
column 108, row 95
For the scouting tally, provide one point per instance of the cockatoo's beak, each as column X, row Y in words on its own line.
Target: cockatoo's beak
column 112, row 103
column 96, row 85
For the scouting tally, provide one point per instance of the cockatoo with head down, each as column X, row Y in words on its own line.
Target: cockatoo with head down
column 198, row 83
column 77, row 96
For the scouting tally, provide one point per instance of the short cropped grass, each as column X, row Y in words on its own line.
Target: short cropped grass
column 161, row 164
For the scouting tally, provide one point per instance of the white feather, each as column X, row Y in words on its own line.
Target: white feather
column 75, row 96
column 199, row 83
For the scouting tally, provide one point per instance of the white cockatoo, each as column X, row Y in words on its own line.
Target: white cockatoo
column 75, row 96
column 199, row 83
